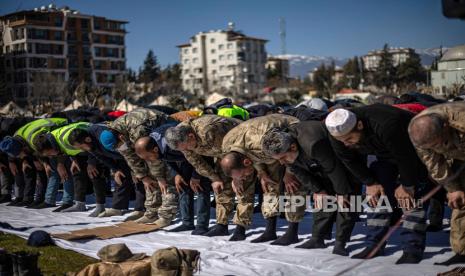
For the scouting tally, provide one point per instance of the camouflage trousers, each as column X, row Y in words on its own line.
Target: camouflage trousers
column 162, row 205
column 224, row 199
column 457, row 231
column 270, row 206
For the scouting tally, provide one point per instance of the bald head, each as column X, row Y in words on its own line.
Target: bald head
column 426, row 129
column 232, row 161
column 146, row 148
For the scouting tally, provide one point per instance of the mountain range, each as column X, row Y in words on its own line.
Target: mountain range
column 300, row 65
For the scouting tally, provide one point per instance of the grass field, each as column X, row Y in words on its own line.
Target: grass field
column 53, row 260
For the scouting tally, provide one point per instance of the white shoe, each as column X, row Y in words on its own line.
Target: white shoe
column 109, row 212
column 134, row 215
column 147, row 220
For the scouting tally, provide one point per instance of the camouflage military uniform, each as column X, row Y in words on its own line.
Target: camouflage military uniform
column 134, row 125
column 444, row 159
column 210, row 130
column 246, row 139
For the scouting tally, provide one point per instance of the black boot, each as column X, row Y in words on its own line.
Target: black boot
column 270, row 232
column 313, row 243
column 182, row 228
column 27, row 263
column 290, row 236
column 365, row 252
column 62, row 207
column 199, row 231
column 456, row 259
column 409, row 258
column 340, row 249
column 43, row 205
column 239, row 234
column 15, row 201
column 34, row 204
column 5, row 198
column 6, row 266
column 25, row 203
column 217, row 230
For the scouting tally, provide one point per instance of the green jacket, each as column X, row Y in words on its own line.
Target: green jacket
column 61, row 137
column 30, row 130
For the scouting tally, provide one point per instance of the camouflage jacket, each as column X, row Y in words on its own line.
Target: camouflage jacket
column 134, row 125
column 209, row 131
column 247, row 137
column 439, row 160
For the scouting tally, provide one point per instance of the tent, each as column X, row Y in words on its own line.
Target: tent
column 160, row 100
column 124, row 105
column 11, row 108
column 74, row 105
column 213, row 98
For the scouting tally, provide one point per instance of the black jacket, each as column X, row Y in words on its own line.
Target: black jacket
column 317, row 155
column 385, row 135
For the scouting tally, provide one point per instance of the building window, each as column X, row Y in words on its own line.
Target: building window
column 212, row 40
column 213, row 72
column 221, row 47
column 58, row 21
column 229, row 46
column 195, row 60
column 187, row 81
column 213, row 61
column 230, row 56
column 186, row 61
column 221, row 67
column 57, row 35
column 213, row 51
column 194, row 50
column 186, row 71
column 186, row 51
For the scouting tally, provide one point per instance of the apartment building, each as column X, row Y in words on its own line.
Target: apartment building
column 399, row 55
column 223, row 61
column 62, row 45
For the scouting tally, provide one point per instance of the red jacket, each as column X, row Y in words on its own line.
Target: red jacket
column 412, row 107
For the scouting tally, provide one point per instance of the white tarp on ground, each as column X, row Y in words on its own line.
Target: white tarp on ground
column 220, row 257
column 74, row 105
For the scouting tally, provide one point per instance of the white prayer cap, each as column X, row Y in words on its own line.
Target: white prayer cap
column 340, row 122
column 314, row 103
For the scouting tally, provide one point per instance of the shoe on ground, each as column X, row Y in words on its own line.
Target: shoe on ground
column 312, row 243
column 182, row 228
column 34, row 204
column 239, row 234
column 146, row 219
column 365, row 252
column 15, row 201
column 110, row 212
column 43, row 205
column 340, row 249
column 199, row 231
column 62, row 207
column 77, row 207
column 409, row 258
column 99, row 208
column 5, row 199
column 218, row 230
column 456, row 259
column 134, row 215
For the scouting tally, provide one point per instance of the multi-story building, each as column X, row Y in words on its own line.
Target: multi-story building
column 61, row 45
column 449, row 78
column 281, row 65
column 399, row 55
column 223, row 60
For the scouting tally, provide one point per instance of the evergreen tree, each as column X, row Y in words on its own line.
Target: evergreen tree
column 411, row 71
column 150, row 69
column 385, row 74
column 132, row 77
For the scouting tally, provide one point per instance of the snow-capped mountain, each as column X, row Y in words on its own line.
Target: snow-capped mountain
column 300, row 65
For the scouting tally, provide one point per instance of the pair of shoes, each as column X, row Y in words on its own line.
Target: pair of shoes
column 43, row 205
column 99, row 208
column 199, row 231
column 134, row 215
column 110, row 212
column 62, row 207
column 182, row 228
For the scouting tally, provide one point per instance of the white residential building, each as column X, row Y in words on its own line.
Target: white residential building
column 399, row 55
column 223, row 60
column 450, row 75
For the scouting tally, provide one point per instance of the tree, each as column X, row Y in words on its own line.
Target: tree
column 50, row 92
column 385, row 74
column 411, row 71
column 323, row 79
column 132, row 77
column 150, row 70
column 352, row 74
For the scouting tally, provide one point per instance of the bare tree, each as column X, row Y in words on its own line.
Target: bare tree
column 49, row 94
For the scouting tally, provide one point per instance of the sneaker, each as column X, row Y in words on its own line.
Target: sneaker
column 134, row 215
column 110, row 212
column 62, row 207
